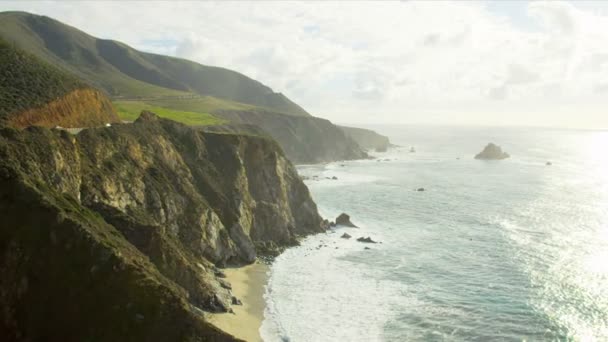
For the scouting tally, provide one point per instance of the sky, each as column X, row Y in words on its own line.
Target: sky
column 530, row 63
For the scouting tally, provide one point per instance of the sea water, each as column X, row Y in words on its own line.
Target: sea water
column 507, row 250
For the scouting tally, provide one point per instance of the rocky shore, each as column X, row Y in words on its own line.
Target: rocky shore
column 130, row 223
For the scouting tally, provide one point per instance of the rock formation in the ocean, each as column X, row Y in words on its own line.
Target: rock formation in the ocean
column 344, row 220
column 114, row 234
column 366, row 240
column 492, row 152
column 346, row 236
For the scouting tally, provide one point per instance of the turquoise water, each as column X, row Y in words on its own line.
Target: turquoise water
column 493, row 251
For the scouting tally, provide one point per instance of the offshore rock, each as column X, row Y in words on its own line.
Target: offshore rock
column 366, row 240
column 492, row 152
column 344, row 220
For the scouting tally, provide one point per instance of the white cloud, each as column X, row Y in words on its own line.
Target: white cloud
column 454, row 62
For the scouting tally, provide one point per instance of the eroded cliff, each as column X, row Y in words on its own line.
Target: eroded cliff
column 367, row 139
column 129, row 222
column 305, row 140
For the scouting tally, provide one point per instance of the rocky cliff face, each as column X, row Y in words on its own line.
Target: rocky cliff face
column 84, row 107
column 305, row 140
column 114, row 234
column 367, row 139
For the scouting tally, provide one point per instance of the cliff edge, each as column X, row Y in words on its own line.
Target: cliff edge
column 115, row 233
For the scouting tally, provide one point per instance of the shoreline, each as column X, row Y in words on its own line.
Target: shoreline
column 248, row 285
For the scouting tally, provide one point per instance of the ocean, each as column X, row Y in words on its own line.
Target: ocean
column 512, row 250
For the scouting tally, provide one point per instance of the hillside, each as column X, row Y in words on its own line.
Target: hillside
column 33, row 92
column 180, row 90
column 127, row 224
column 304, row 140
column 124, row 72
column 367, row 139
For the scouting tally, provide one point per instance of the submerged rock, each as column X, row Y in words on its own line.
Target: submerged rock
column 345, row 236
column 421, row 189
column 344, row 220
column 366, row 240
column 492, row 152
column 549, row 163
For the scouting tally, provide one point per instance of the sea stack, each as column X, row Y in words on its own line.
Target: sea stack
column 492, row 152
column 344, row 220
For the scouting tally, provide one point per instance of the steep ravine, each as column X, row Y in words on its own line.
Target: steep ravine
column 127, row 223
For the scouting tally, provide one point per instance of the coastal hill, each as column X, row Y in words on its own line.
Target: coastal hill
column 137, row 81
column 127, row 224
column 367, row 139
column 36, row 93
column 124, row 72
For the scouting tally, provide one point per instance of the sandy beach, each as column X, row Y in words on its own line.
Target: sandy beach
column 248, row 285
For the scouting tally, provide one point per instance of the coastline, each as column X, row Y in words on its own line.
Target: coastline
column 248, row 285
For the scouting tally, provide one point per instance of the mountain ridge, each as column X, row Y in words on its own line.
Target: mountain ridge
column 123, row 71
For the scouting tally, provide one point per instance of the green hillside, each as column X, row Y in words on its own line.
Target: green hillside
column 26, row 82
column 130, row 111
column 35, row 93
column 126, row 73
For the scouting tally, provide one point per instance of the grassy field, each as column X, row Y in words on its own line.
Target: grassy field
column 204, row 104
column 130, row 110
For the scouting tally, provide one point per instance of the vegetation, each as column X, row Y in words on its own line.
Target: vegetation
column 127, row 74
column 130, row 110
column 27, row 82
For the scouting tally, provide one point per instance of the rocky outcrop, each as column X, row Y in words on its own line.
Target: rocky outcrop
column 366, row 240
column 344, row 220
column 305, row 140
column 367, row 139
column 126, row 223
column 492, row 152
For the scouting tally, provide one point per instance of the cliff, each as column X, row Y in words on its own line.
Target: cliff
column 305, row 140
column 367, row 139
column 33, row 92
column 114, row 234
